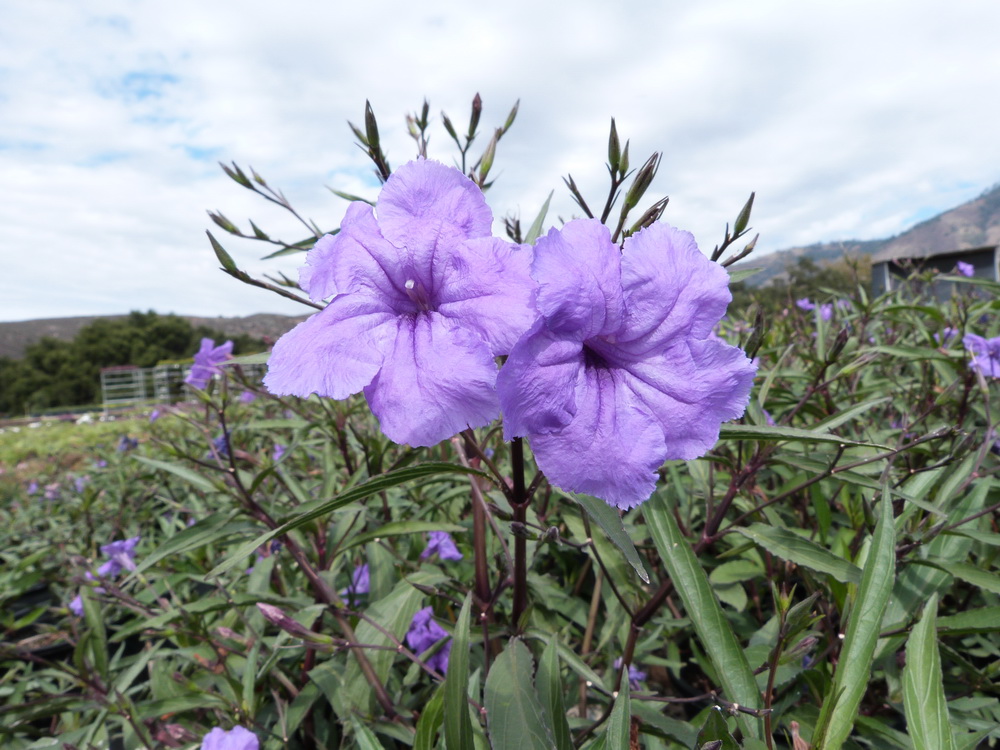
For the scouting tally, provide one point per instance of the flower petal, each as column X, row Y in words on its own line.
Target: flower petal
column 670, row 289
column 691, row 389
column 537, row 384
column 425, row 204
column 578, row 270
column 334, row 353
column 355, row 259
column 437, row 379
column 486, row 284
column 611, row 448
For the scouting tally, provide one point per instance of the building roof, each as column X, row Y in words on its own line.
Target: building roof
column 888, row 254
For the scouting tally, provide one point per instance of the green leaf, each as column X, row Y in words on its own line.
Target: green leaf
column 430, row 722
column 457, row 725
column 549, row 686
column 609, row 520
column 260, row 358
column 513, row 709
column 617, row 735
column 214, row 528
column 715, row 734
column 364, row 738
column 971, row 574
column 923, row 691
column 764, row 432
column 191, row 477
column 318, row 508
column 535, row 230
column 742, row 274
column 713, row 629
column 94, row 618
column 854, row 666
column 982, row 620
column 399, row 528
column 790, row 546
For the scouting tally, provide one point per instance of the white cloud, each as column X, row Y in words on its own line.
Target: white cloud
column 850, row 120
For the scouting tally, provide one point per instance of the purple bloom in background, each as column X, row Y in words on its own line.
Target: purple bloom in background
column 51, row 491
column 620, row 372
column 221, row 445
column 76, row 605
column 443, row 545
column 945, row 337
column 985, row 354
column 826, row 310
column 80, row 483
column 768, row 418
column 125, row 444
column 237, row 738
column 424, row 632
column 966, row 269
column 32, row 487
column 635, row 675
column 207, row 361
column 360, row 582
column 100, row 463
column 248, row 397
column 121, row 556
column 805, row 304
column 424, row 299
column 844, row 304
column 154, row 415
column 279, row 451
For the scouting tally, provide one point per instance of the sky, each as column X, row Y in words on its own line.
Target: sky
column 850, row 120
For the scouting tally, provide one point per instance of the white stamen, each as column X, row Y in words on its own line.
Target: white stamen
column 410, row 283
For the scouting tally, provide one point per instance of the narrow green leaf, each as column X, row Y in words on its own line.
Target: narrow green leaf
column 260, row 358
column 513, row 709
column 98, row 635
column 608, row 519
column 430, row 722
column 923, row 691
column 364, row 738
column 457, row 725
column 535, row 230
column 214, row 528
column 549, row 685
column 969, row 573
column 763, row 432
column 790, row 546
column 742, row 274
column 189, row 476
column 710, row 623
column 854, row 666
column 399, row 528
column 310, row 511
column 982, row 620
column 618, row 734
column 715, row 733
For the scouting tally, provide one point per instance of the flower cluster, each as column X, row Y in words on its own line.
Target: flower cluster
column 424, row 632
column 206, row 363
column 121, row 556
column 985, row 354
column 611, row 364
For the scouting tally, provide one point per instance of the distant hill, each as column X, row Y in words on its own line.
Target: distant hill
column 15, row 337
column 972, row 224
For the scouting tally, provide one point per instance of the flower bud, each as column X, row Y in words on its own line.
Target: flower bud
column 614, row 148
column 449, row 127
column 486, row 163
column 642, row 181
column 371, row 127
column 275, row 616
column 511, row 116
column 477, row 110
column 224, row 258
column 744, row 217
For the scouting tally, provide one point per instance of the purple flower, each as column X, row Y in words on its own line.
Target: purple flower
column 125, row 444
column 844, row 304
column 100, row 463
column 946, row 335
column 207, row 361
column 635, row 675
column 80, row 483
column 278, row 452
column 768, row 418
column 826, row 311
column 985, row 354
column 121, row 556
column 76, row 605
column 424, row 299
column 154, row 415
column 237, row 738
column 51, row 491
column 32, row 487
column 248, row 397
column 220, row 445
column 443, row 545
column 966, row 269
column 805, row 304
column 424, row 632
column 620, row 372
column 360, row 583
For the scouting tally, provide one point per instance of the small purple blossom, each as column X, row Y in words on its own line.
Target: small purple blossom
column 100, row 463
column 946, row 335
column 121, row 556
column 220, row 446
column 635, row 675
column 76, row 605
column 248, row 397
column 360, row 583
column 985, row 354
column 805, row 304
column 125, row 444
column 768, row 419
column 80, row 483
column 442, row 545
column 966, row 269
column 620, row 371
column 424, row 632
column 207, row 361
column 826, row 310
column 278, row 452
column 424, row 298
column 154, row 415
column 237, row 738
column 51, row 491
column 32, row 487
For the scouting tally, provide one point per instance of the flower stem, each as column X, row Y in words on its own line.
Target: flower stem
column 519, row 503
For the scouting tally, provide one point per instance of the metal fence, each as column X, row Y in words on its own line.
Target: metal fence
column 128, row 386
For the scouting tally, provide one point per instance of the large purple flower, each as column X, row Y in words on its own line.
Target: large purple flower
column 424, row 299
column 621, row 371
column 442, row 545
column 237, row 738
column 207, row 361
column 424, row 632
column 985, row 354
